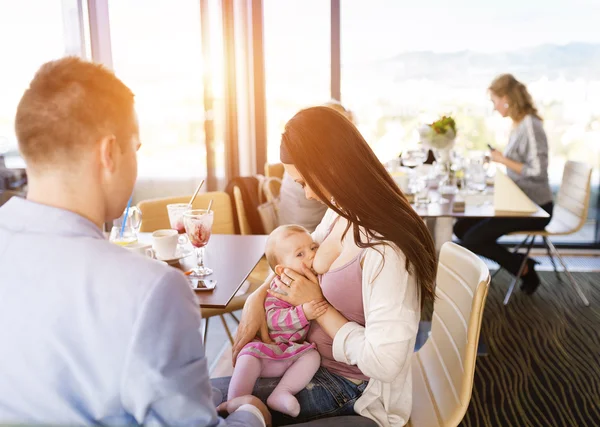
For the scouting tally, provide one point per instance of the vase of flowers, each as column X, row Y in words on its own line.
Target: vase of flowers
column 439, row 137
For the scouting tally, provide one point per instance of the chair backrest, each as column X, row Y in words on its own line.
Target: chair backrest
column 155, row 216
column 241, row 212
column 274, row 170
column 447, row 360
column 573, row 199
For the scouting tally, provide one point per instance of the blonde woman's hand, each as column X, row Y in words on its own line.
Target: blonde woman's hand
column 497, row 156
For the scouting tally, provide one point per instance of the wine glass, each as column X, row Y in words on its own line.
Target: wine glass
column 412, row 157
column 198, row 225
column 176, row 211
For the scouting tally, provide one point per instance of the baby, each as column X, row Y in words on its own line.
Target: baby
column 296, row 361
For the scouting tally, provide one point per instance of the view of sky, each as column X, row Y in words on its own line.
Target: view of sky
column 378, row 28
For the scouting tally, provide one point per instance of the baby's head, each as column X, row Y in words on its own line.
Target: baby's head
column 290, row 246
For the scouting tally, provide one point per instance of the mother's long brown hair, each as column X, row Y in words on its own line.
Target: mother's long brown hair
column 333, row 158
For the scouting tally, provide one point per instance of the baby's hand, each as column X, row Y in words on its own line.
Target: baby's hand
column 315, row 308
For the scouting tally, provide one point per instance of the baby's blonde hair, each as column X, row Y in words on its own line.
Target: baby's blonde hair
column 280, row 232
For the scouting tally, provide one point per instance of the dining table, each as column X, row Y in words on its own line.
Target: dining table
column 501, row 198
column 232, row 258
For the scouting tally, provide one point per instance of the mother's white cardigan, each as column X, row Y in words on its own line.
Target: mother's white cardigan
column 383, row 348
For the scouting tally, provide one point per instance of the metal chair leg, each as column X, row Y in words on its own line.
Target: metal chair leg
column 514, row 250
column 205, row 332
column 518, row 275
column 552, row 258
column 226, row 328
column 569, row 275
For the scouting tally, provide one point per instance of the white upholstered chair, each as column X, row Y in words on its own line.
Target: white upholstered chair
column 444, row 368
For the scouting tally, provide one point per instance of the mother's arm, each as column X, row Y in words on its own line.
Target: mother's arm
column 253, row 321
column 304, row 287
column 383, row 347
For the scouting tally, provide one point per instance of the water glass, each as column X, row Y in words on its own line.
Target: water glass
column 412, row 157
column 476, row 175
column 129, row 234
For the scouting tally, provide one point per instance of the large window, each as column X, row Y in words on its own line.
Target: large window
column 297, row 61
column 159, row 56
column 32, row 33
column 405, row 64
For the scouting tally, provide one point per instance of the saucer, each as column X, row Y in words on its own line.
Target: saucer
column 180, row 253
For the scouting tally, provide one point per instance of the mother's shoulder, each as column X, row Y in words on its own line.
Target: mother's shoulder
column 384, row 250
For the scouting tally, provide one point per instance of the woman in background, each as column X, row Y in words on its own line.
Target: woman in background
column 294, row 207
column 526, row 161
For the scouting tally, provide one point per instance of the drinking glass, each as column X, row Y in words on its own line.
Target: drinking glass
column 476, row 175
column 412, row 157
column 131, row 229
column 198, row 225
column 176, row 211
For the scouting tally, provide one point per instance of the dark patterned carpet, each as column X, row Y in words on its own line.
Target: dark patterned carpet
column 543, row 361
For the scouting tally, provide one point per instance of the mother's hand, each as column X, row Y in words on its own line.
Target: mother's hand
column 297, row 287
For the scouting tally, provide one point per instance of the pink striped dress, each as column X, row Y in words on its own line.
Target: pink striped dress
column 288, row 328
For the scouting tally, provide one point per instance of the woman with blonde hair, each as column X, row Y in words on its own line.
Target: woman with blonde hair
column 526, row 161
column 294, row 208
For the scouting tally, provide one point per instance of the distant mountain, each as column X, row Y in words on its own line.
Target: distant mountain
column 571, row 61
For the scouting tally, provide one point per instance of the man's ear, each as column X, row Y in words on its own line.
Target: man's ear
column 279, row 269
column 108, row 149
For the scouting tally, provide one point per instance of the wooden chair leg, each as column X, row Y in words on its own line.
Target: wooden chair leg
column 569, row 275
column 235, row 318
column 518, row 276
column 226, row 328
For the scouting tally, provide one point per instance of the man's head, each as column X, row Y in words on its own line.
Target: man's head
column 77, row 118
column 290, row 246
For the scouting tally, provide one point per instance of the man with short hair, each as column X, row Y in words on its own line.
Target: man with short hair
column 91, row 332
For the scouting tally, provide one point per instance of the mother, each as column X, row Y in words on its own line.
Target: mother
column 377, row 266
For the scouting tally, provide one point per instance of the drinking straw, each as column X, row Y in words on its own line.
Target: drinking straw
column 125, row 216
column 209, row 205
column 196, row 193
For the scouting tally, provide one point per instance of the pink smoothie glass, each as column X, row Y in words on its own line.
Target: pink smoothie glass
column 198, row 226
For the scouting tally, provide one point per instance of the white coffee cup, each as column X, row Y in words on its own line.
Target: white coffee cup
column 164, row 243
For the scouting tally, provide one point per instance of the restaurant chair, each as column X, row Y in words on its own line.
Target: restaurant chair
column 274, row 171
column 262, row 269
column 444, row 368
column 568, row 217
column 155, row 217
